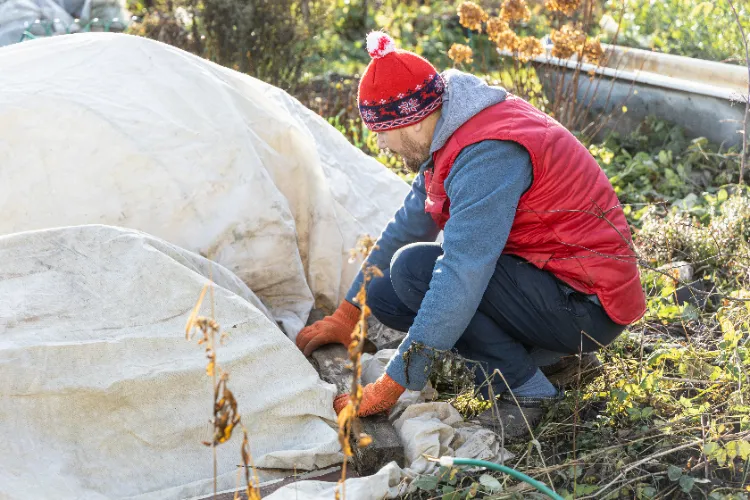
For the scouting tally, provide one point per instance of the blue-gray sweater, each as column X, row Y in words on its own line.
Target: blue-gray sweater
column 484, row 186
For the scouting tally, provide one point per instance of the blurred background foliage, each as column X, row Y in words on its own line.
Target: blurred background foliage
column 289, row 42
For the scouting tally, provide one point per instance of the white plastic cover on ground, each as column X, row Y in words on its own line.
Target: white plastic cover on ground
column 425, row 428
column 114, row 129
column 103, row 397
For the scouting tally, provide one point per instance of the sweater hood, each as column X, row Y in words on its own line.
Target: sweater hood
column 465, row 95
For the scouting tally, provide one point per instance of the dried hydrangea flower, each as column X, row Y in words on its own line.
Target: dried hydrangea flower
column 460, row 53
column 471, row 16
column 593, row 50
column 529, row 47
column 567, row 7
column 507, row 40
column 567, row 41
column 515, row 10
column 495, row 26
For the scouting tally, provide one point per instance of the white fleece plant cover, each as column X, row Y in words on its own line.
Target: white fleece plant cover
column 104, row 128
column 101, row 396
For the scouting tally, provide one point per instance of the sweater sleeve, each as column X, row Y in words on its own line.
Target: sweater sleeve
column 410, row 224
column 484, row 186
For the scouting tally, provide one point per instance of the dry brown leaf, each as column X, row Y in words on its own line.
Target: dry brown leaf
column 194, row 312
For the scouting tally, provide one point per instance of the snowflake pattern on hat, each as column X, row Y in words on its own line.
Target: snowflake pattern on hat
column 368, row 115
column 407, row 108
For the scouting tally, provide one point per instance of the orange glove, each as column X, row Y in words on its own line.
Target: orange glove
column 336, row 328
column 379, row 396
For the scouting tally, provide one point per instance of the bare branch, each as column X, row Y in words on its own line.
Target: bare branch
column 641, row 462
column 747, row 98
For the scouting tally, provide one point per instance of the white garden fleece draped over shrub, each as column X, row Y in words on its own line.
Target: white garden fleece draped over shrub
column 123, row 163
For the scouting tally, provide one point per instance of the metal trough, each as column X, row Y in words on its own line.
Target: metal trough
column 707, row 98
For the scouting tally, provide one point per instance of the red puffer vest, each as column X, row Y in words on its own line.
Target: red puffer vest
column 569, row 222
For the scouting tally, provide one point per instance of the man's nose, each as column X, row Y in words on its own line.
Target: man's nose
column 381, row 141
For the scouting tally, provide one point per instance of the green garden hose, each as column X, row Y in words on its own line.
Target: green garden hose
column 451, row 461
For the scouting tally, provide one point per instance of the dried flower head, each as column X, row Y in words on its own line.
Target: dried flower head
column 507, row 40
column 460, row 53
column 593, row 50
column 495, row 26
column 567, row 41
column 471, row 16
column 364, row 246
column 567, row 7
column 515, row 10
column 529, row 47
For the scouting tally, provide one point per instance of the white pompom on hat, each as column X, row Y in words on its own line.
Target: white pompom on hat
column 379, row 44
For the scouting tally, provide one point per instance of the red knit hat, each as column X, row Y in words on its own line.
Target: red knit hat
column 399, row 88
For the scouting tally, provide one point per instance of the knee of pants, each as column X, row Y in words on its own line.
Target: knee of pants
column 380, row 295
column 411, row 272
column 386, row 306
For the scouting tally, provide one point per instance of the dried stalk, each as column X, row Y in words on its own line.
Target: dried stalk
column 226, row 417
column 745, row 151
column 348, row 421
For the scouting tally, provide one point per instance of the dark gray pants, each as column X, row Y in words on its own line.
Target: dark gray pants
column 522, row 308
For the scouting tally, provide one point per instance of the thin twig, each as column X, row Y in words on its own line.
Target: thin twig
column 213, row 379
column 703, row 433
column 531, row 432
column 639, row 463
column 747, row 97
column 575, row 412
column 668, row 492
column 641, row 478
column 695, row 381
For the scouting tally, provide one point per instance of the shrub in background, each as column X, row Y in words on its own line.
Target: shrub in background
column 268, row 39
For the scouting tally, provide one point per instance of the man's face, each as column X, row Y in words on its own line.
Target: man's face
column 407, row 143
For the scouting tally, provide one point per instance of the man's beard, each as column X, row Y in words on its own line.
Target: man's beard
column 414, row 154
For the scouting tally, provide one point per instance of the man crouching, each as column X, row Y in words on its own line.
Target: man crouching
column 536, row 261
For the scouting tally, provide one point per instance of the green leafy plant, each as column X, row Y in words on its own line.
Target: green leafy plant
column 705, row 30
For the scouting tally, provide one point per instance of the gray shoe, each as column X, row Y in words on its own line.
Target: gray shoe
column 565, row 372
column 514, row 420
